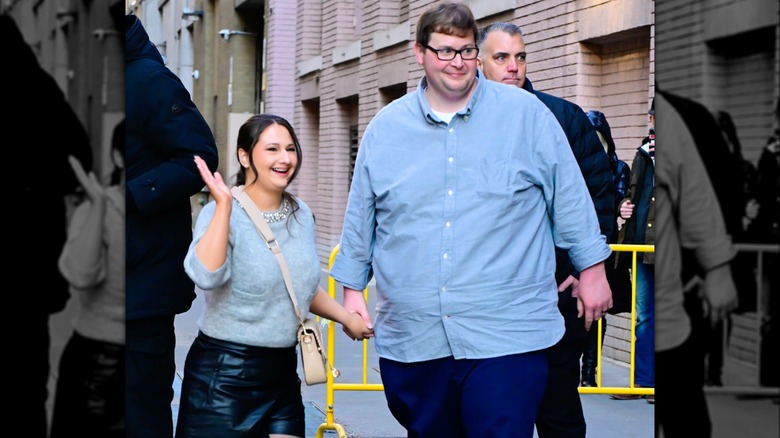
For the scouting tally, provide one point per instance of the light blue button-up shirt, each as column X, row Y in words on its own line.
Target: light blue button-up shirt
column 459, row 223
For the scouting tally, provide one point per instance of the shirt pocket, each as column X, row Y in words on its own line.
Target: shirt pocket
column 492, row 179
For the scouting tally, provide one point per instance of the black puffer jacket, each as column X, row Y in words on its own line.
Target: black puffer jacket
column 164, row 131
column 621, row 173
column 593, row 162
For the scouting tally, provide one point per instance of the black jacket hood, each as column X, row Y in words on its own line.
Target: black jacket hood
column 137, row 43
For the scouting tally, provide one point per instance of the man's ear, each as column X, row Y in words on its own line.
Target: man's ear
column 419, row 53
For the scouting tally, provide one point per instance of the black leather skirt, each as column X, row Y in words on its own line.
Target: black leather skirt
column 89, row 400
column 235, row 390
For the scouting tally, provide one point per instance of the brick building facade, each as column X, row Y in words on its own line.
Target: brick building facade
column 354, row 57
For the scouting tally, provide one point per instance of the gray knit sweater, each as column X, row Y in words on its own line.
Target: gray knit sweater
column 246, row 299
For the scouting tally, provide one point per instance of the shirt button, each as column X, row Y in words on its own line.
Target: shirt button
column 445, row 255
column 451, row 130
column 449, row 192
column 649, row 225
column 451, row 159
column 444, row 289
column 447, row 224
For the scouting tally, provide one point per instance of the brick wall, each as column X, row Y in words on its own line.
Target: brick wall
column 723, row 54
column 280, row 65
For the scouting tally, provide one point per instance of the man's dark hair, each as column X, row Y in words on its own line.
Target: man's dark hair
column 449, row 19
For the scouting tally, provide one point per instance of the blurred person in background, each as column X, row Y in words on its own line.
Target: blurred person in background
column 618, row 274
column 90, row 397
column 767, row 229
column 689, row 217
column 638, row 210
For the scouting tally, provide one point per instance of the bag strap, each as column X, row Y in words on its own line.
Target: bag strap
column 251, row 209
column 270, row 241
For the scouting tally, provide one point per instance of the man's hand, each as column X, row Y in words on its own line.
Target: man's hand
column 355, row 302
column 570, row 281
column 720, row 293
column 594, row 297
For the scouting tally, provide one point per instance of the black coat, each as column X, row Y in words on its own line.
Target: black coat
column 593, row 162
column 639, row 228
column 718, row 160
column 164, row 131
column 40, row 129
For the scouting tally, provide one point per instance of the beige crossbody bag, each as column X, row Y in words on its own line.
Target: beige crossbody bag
column 315, row 364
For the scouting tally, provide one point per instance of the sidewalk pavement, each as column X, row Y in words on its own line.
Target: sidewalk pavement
column 364, row 414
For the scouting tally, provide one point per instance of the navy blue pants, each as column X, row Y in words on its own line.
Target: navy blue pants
column 497, row 397
column 682, row 409
column 560, row 414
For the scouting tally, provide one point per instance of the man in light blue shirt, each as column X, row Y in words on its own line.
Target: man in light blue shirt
column 461, row 191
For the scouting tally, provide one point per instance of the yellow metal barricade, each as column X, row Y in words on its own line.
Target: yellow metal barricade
column 630, row 389
column 332, row 387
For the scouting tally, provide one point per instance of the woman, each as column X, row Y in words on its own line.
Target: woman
column 90, row 388
column 240, row 375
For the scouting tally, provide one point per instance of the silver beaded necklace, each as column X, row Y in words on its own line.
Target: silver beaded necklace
column 278, row 215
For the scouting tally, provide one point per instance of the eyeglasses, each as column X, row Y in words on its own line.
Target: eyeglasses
column 447, row 54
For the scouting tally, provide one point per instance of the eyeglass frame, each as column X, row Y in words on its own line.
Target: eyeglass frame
column 455, row 51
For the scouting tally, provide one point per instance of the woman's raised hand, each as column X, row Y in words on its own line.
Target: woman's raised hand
column 92, row 187
column 217, row 187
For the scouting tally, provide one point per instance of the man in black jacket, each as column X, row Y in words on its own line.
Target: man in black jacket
column 164, row 131
column 502, row 59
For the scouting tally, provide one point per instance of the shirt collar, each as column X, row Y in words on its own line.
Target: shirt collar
column 425, row 107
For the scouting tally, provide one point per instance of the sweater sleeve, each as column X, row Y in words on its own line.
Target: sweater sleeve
column 701, row 224
column 202, row 277
column 71, row 268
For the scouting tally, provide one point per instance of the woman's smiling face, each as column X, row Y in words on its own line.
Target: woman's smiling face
column 274, row 157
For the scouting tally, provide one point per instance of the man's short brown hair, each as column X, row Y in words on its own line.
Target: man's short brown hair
column 449, row 19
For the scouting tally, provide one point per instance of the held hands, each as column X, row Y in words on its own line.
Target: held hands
column 356, row 328
column 217, row 187
column 356, row 306
column 626, row 209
